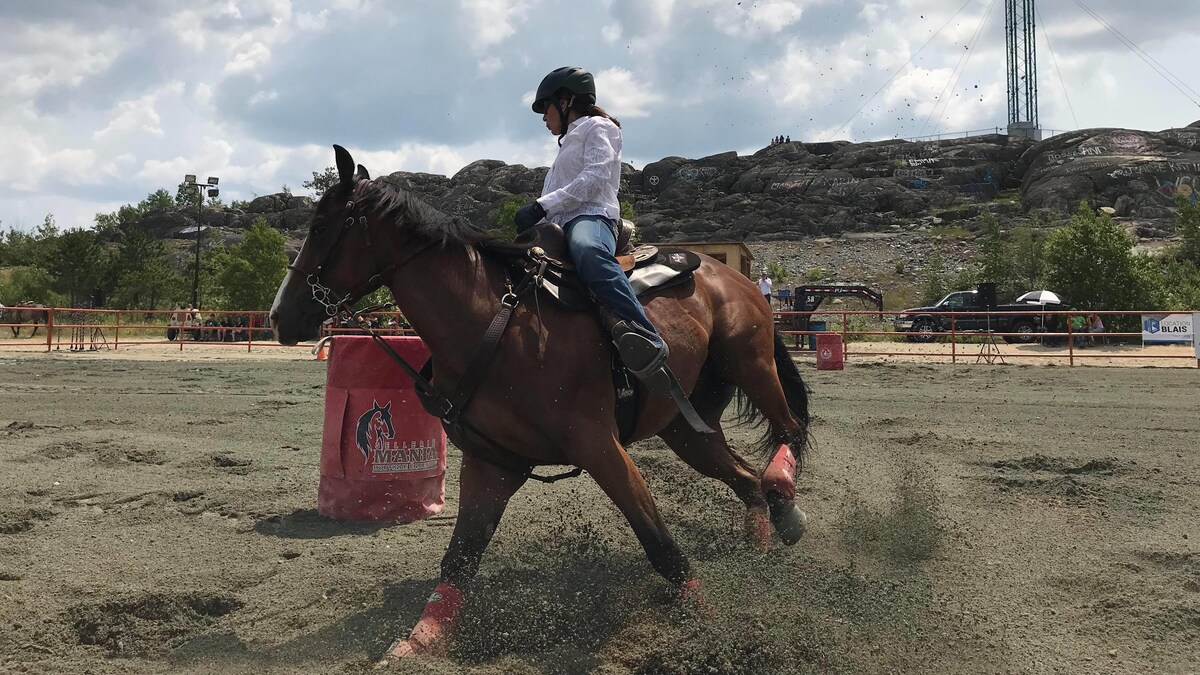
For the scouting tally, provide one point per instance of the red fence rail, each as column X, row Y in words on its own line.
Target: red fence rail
column 93, row 329
column 864, row 333
column 867, row 333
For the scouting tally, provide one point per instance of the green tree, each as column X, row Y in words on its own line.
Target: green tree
column 1188, row 223
column 933, row 278
column 321, row 181
column 21, row 248
column 111, row 225
column 159, row 200
column 627, row 209
column 77, row 263
column 995, row 257
column 188, row 196
column 144, row 278
column 18, row 284
column 212, row 295
column 1029, row 259
column 1091, row 262
column 251, row 271
column 506, row 226
column 779, row 275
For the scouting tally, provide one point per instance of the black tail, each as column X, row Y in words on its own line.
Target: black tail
column 796, row 393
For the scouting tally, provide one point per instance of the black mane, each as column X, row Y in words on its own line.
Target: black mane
column 407, row 211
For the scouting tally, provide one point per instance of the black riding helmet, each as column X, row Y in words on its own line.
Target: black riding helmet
column 573, row 79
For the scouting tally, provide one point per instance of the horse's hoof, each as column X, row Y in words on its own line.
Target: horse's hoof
column 789, row 521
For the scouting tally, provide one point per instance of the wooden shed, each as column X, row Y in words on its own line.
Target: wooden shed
column 732, row 253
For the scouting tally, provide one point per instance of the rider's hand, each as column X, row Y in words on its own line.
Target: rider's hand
column 529, row 215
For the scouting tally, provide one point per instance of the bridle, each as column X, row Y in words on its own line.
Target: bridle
column 333, row 302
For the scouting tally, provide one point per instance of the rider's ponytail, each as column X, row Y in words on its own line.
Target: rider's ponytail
column 594, row 110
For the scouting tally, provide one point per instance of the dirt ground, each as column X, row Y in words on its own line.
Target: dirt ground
column 158, row 516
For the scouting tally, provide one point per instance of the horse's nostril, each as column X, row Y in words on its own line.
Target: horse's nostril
column 274, row 317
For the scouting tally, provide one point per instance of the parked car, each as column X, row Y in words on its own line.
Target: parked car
column 968, row 314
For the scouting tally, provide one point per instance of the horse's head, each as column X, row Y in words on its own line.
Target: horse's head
column 336, row 265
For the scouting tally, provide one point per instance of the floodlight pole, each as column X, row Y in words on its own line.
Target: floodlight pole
column 199, row 233
column 211, row 185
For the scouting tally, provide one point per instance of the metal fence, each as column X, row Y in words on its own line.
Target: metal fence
column 73, row 329
column 865, row 334
column 873, row 334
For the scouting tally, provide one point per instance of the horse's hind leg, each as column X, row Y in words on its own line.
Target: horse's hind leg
column 762, row 369
column 711, row 455
column 484, row 491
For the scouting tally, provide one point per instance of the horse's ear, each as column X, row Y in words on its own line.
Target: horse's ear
column 345, row 166
column 362, row 173
column 388, row 406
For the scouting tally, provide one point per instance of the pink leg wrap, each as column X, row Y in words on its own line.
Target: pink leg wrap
column 436, row 624
column 779, row 474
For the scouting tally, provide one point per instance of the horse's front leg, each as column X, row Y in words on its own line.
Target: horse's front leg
column 484, row 491
column 612, row 469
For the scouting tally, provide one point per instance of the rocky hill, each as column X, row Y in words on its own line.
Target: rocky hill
column 796, row 190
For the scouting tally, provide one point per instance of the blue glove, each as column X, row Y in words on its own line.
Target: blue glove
column 529, row 215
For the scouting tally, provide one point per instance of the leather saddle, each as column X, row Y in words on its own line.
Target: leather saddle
column 543, row 249
column 541, row 253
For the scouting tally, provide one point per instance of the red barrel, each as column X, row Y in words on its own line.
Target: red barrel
column 383, row 458
column 829, row 351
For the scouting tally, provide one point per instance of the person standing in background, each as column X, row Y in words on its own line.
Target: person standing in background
column 764, row 286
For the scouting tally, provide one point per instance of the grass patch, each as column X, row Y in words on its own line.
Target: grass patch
column 953, row 232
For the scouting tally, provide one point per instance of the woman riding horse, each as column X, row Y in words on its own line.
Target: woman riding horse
column 366, row 234
column 580, row 193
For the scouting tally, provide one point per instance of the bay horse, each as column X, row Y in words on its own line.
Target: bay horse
column 548, row 391
column 25, row 313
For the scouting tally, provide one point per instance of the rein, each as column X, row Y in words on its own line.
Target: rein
column 449, row 410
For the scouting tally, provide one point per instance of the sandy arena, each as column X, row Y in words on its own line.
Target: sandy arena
column 158, row 515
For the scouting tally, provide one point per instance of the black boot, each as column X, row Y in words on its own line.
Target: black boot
column 643, row 351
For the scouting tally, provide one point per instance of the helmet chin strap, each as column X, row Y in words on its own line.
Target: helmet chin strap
column 562, row 117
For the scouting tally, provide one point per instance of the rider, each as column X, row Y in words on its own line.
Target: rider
column 580, row 192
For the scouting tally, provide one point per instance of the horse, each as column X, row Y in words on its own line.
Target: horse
column 25, row 313
column 549, row 390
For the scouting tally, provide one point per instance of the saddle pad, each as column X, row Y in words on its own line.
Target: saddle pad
column 668, row 267
column 671, row 266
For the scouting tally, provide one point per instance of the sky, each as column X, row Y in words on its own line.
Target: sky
column 105, row 101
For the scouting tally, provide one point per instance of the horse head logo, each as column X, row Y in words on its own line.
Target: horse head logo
column 374, row 427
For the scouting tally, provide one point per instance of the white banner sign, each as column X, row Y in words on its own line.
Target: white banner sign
column 1196, row 335
column 1167, row 328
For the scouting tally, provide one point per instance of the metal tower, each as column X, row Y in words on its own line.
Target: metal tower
column 1021, row 57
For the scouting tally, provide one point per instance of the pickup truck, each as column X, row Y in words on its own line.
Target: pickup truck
column 969, row 315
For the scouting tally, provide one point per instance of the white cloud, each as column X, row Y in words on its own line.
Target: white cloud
column 133, row 118
column 756, row 19
column 493, row 21
column 490, row 65
column 623, row 95
column 251, row 59
column 262, row 96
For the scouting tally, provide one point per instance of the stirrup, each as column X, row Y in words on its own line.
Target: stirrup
column 642, row 351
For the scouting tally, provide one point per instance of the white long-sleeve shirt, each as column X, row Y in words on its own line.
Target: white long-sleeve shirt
column 586, row 174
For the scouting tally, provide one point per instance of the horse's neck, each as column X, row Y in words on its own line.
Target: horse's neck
column 449, row 295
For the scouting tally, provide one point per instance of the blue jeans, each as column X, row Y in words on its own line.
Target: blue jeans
column 592, row 246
